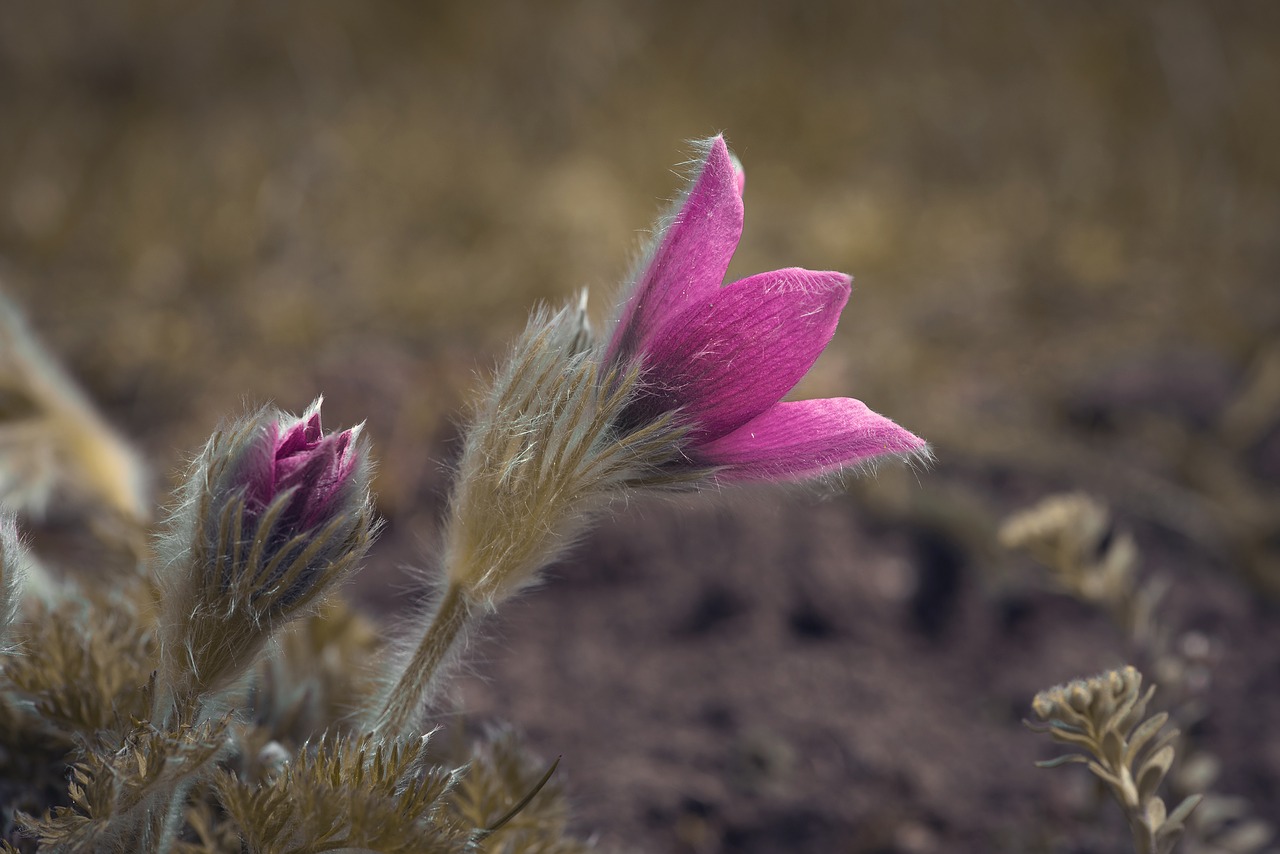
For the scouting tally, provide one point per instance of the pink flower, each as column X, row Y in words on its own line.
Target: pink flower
column 298, row 458
column 273, row 514
column 287, row 506
column 724, row 356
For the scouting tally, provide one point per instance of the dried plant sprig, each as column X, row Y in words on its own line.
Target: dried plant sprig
column 344, row 792
column 1075, row 537
column 83, row 674
column 52, row 438
column 120, row 797
column 1105, row 716
column 495, row 796
column 273, row 514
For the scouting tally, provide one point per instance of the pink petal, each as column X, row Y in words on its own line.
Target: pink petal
column 304, row 433
column 316, row 475
column 692, row 255
column 806, row 438
column 734, row 352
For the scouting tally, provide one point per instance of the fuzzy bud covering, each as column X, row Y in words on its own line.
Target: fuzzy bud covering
column 274, row 512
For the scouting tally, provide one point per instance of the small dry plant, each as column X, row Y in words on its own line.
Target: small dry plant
column 1105, row 716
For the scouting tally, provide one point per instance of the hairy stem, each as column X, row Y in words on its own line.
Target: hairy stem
column 403, row 706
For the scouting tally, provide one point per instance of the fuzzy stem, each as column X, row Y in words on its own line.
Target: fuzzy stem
column 400, row 713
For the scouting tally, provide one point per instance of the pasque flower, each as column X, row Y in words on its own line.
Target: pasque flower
column 686, row 389
column 723, row 356
column 274, row 512
column 284, row 498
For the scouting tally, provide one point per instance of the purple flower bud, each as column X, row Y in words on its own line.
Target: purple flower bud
column 299, row 460
column 274, row 513
column 288, row 503
column 721, row 357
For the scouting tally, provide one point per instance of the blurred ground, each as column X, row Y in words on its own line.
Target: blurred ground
column 1062, row 220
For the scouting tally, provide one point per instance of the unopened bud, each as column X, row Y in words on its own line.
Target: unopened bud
column 274, row 513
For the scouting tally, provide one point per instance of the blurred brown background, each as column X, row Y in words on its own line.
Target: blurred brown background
column 1062, row 220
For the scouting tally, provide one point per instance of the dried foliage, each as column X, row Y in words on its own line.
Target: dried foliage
column 347, row 792
column 90, row 679
column 120, row 798
column 501, row 776
column 1106, row 717
column 1073, row 536
column 212, row 833
column 52, row 438
column 83, row 665
column 1076, row 538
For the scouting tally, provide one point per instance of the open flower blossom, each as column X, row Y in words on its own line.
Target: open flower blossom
column 685, row 390
column 723, row 356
